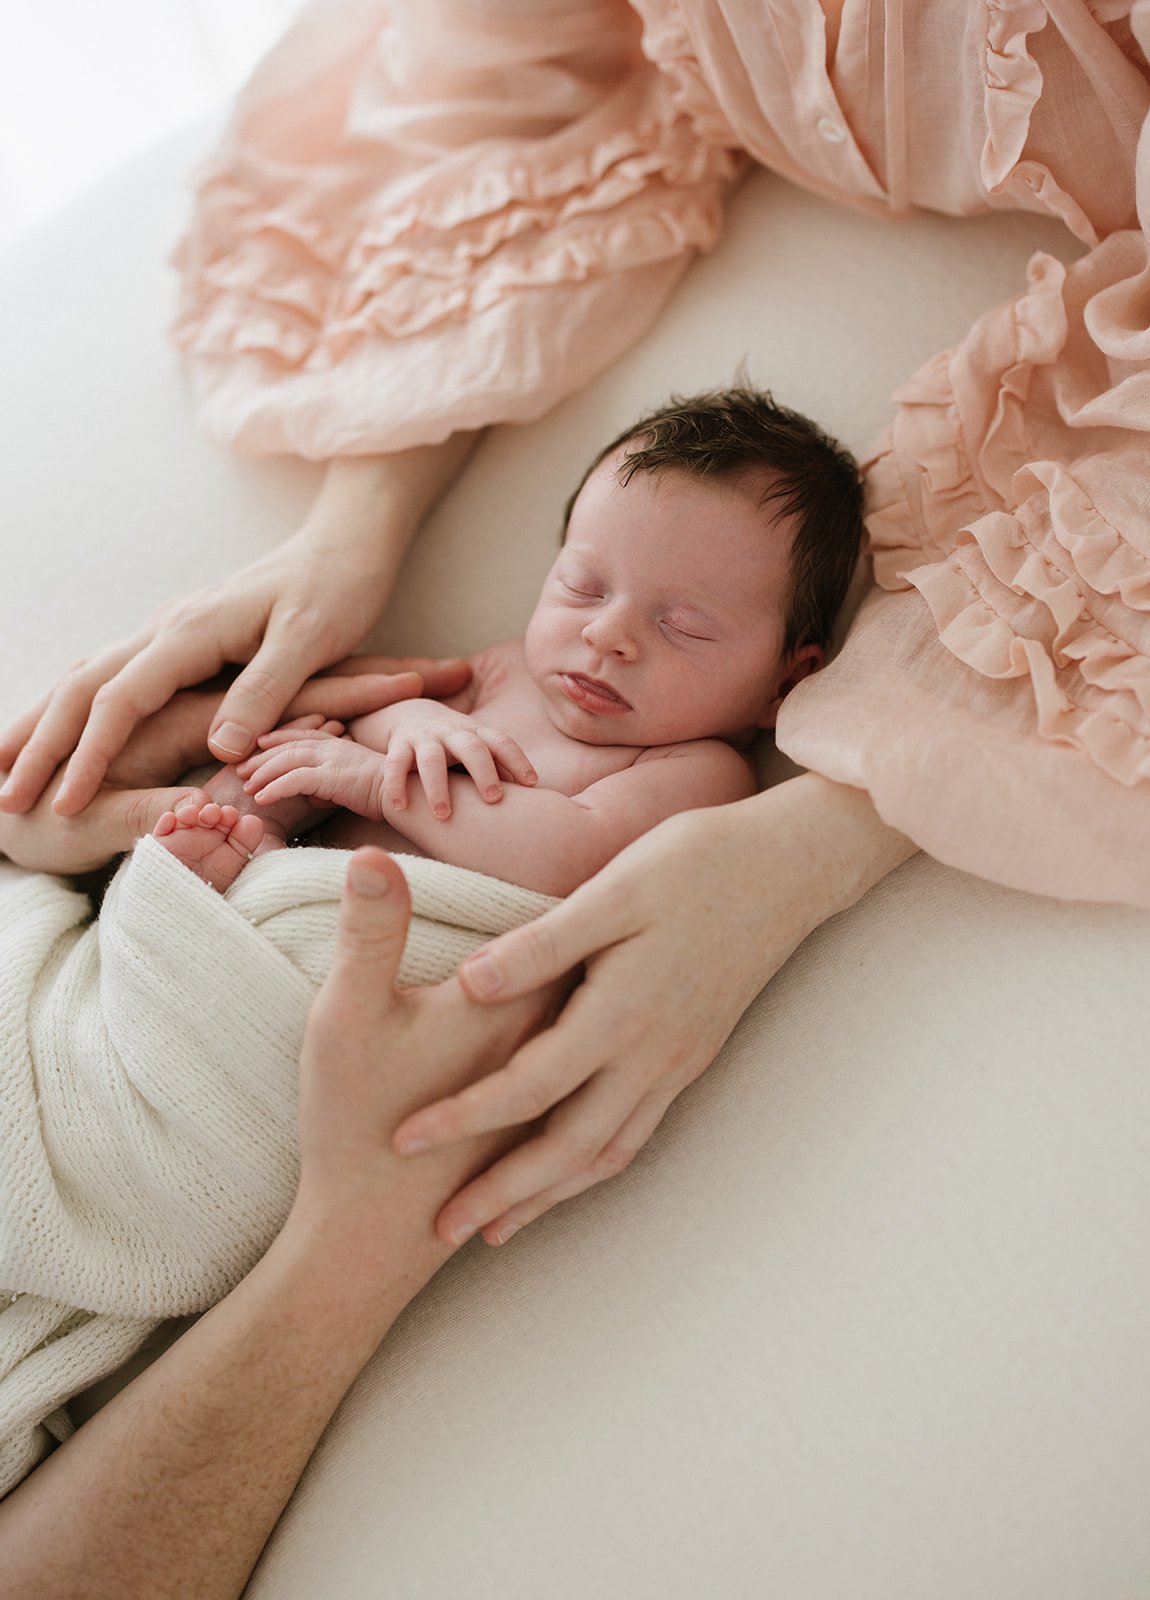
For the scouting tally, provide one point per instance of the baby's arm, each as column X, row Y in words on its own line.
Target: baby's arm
column 535, row 837
column 427, row 736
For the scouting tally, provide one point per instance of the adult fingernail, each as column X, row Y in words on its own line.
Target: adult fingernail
column 505, row 1233
column 232, row 738
column 483, row 976
column 463, row 1233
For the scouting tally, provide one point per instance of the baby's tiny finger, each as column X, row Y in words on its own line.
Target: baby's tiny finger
column 470, row 749
column 511, row 758
column 431, row 764
column 275, row 763
column 302, row 780
column 397, row 766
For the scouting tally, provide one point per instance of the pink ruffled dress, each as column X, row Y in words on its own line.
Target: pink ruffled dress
column 419, row 210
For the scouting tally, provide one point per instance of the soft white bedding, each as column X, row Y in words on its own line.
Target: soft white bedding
column 148, row 1065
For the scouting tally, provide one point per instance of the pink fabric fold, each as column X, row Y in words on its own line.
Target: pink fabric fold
column 466, row 158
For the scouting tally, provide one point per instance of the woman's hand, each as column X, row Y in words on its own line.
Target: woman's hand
column 283, row 618
column 165, row 745
column 287, row 616
column 677, row 934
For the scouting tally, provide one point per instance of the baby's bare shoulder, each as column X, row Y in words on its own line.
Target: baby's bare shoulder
column 711, row 762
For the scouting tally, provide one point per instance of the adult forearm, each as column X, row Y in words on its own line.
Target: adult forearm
column 551, row 842
column 841, row 844
column 174, row 1487
column 369, row 507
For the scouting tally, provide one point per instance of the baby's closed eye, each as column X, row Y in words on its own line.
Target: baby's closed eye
column 687, row 628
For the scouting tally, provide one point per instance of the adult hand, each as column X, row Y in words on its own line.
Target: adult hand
column 372, row 1053
column 175, row 738
column 43, row 841
column 286, row 616
column 163, row 747
column 678, row 934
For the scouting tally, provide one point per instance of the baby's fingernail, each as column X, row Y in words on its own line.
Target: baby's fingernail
column 442, row 812
column 463, row 1233
column 505, row 1233
column 483, row 976
column 6, row 789
column 494, row 792
column 532, row 776
column 232, row 739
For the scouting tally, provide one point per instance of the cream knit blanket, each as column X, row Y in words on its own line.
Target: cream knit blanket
column 148, row 1062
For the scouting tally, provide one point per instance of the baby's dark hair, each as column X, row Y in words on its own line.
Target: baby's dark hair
column 737, row 432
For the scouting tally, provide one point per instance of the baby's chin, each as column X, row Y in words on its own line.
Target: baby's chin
column 590, row 728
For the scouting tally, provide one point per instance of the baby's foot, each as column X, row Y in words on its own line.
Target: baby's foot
column 213, row 840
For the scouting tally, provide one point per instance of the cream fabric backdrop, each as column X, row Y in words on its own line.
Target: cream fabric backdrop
column 867, row 1319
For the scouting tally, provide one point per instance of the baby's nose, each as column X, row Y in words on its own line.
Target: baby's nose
column 610, row 634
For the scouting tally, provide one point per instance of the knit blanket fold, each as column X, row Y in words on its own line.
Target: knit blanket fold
column 148, row 1094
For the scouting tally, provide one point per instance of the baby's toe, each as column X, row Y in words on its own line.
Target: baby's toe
column 247, row 833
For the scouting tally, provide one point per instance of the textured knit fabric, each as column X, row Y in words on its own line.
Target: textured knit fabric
column 429, row 217
column 148, row 1073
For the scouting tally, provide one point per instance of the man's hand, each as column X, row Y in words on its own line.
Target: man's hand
column 44, row 841
column 372, row 1052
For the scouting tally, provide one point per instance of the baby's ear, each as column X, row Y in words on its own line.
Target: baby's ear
column 800, row 664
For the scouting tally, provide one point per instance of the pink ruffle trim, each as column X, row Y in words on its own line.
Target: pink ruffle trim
column 264, row 277
column 1013, row 85
column 1016, row 561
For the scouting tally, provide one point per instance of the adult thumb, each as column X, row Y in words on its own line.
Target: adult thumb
column 373, row 920
column 256, row 700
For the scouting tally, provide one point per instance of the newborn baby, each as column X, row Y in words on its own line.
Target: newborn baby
column 705, row 556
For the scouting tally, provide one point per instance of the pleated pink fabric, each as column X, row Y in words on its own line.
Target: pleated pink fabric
column 431, row 217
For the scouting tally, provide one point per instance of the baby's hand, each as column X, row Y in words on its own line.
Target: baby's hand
column 313, row 726
column 431, row 737
column 327, row 770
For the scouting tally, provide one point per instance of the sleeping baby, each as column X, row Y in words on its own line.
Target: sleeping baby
column 705, row 556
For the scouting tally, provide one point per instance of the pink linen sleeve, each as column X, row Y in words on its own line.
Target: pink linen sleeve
column 431, row 216
column 993, row 695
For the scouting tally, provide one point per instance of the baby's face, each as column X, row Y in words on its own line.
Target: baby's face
column 663, row 618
